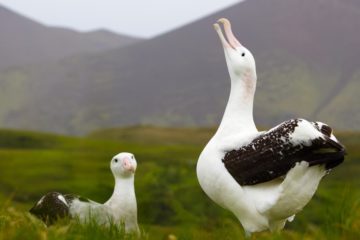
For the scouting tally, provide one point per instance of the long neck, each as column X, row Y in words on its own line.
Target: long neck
column 123, row 196
column 238, row 116
column 124, row 187
column 123, row 203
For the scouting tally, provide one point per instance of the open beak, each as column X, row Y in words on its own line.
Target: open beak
column 231, row 41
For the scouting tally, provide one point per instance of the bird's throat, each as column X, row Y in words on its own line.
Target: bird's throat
column 123, row 191
column 238, row 115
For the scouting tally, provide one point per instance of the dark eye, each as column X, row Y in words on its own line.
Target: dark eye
column 115, row 160
column 243, row 54
column 132, row 157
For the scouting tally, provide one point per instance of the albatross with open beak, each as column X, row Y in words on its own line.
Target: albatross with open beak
column 264, row 178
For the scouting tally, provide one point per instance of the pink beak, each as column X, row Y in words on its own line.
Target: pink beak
column 232, row 41
column 128, row 166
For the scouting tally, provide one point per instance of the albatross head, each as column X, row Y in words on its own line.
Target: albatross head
column 240, row 61
column 123, row 165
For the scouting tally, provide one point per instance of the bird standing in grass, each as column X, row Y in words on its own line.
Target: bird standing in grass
column 121, row 208
column 264, row 178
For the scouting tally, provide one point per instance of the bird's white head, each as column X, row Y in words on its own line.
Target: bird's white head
column 123, row 165
column 240, row 61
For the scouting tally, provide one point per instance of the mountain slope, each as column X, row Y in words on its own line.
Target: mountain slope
column 24, row 41
column 307, row 57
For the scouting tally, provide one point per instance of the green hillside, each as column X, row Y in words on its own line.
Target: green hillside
column 344, row 108
column 170, row 200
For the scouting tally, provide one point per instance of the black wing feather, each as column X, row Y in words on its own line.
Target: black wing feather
column 50, row 208
column 272, row 155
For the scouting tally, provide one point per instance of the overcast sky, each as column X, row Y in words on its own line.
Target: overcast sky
column 145, row 18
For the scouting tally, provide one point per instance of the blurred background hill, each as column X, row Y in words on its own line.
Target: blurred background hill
column 24, row 41
column 63, row 81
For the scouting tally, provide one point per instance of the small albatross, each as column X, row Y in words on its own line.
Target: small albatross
column 264, row 178
column 121, row 208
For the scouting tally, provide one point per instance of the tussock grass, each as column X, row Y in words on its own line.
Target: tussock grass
column 20, row 225
column 170, row 201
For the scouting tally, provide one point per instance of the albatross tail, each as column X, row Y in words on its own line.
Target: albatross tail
column 329, row 152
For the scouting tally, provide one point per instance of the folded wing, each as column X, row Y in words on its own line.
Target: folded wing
column 275, row 152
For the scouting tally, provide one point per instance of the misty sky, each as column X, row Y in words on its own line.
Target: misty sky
column 144, row 18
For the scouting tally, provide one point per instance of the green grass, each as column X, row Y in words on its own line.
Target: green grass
column 170, row 200
column 19, row 225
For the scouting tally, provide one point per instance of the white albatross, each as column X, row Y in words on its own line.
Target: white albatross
column 121, row 208
column 263, row 178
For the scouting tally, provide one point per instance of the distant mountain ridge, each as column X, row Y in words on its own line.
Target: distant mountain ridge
column 24, row 41
column 307, row 60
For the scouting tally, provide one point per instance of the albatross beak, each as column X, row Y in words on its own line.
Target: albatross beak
column 233, row 42
column 132, row 169
column 128, row 166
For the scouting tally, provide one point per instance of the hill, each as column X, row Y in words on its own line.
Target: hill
column 24, row 41
column 307, row 58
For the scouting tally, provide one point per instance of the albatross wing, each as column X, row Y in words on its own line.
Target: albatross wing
column 54, row 205
column 273, row 153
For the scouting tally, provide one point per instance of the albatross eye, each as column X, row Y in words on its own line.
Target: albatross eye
column 115, row 160
column 132, row 157
column 243, row 54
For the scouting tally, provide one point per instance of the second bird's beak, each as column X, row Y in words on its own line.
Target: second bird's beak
column 128, row 166
column 132, row 169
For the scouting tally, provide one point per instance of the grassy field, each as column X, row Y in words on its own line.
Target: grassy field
column 170, row 200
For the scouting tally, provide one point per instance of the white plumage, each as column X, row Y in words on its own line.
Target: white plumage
column 264, row 178
column 121, row 208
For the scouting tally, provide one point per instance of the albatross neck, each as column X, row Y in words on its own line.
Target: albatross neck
column 238, row 115
column 124, row 185
column 124, row 189
column 123, row 203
